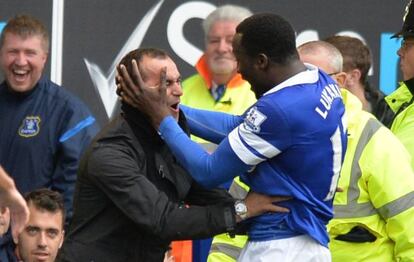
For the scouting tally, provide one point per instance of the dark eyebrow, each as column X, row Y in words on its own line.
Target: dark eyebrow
column 54, row 230
column 32, row 227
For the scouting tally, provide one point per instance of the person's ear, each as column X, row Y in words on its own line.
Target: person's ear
column 356, row 73
column 340, row 79
column 62, row 238
column 45, row 55
column 262, row 61
column 353, row 77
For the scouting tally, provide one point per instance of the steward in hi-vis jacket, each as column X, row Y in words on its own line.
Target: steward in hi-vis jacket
column 374, row 213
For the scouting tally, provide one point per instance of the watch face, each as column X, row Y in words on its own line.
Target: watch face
column 241, row 208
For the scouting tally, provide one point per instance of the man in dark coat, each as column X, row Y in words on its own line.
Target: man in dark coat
column 132, row 197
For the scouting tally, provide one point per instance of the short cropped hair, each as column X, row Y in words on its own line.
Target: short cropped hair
column 26, row 26
column 269, row 34
column 334, row 57
column 138, row 55
column 225, row 13
column 356, row 54
column 46, row 199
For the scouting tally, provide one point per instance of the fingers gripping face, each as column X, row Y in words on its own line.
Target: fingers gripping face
column 153, row 87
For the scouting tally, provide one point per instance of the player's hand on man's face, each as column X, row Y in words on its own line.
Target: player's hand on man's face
column 258, row 204
column 152, row 101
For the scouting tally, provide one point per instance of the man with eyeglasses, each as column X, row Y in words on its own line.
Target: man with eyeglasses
column 401, row 100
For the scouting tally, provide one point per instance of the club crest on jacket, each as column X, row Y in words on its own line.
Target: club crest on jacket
column 30, row 126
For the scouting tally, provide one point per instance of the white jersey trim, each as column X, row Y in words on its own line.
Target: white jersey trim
column 258, row 143
column 309, row 76
column 241, row 150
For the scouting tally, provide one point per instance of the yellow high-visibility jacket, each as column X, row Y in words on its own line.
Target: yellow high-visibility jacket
column 403, row 124
column 377, row 203
column 196, row 93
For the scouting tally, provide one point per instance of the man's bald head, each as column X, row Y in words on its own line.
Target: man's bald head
column 321, row 54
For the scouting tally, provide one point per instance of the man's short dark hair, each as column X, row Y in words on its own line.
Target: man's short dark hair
column 269, row 34
column 355, row 53
column 138, row 54
column 46, row 199
column 26, row 26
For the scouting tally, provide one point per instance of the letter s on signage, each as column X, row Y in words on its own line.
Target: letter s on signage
column 184, row 49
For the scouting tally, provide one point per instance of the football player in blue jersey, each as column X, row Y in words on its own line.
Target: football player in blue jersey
column 291, row 142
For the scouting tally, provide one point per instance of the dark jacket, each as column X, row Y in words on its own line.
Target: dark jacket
column 379, row 107
column 7, row 248
column 129, row 198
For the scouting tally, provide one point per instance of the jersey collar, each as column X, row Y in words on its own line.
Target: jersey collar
column 311, row 75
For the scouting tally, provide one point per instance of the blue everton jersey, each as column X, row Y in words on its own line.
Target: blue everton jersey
column 295, row 137
column 290, row 143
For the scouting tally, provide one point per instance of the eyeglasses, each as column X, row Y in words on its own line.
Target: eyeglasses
column 332, row 74
column 406, row 44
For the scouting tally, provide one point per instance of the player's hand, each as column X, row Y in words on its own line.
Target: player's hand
column 258, row 204
column 150, row 100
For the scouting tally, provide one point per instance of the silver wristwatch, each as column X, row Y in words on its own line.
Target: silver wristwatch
column 241, row 209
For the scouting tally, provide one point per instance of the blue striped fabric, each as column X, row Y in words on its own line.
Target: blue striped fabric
column 81, row 125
